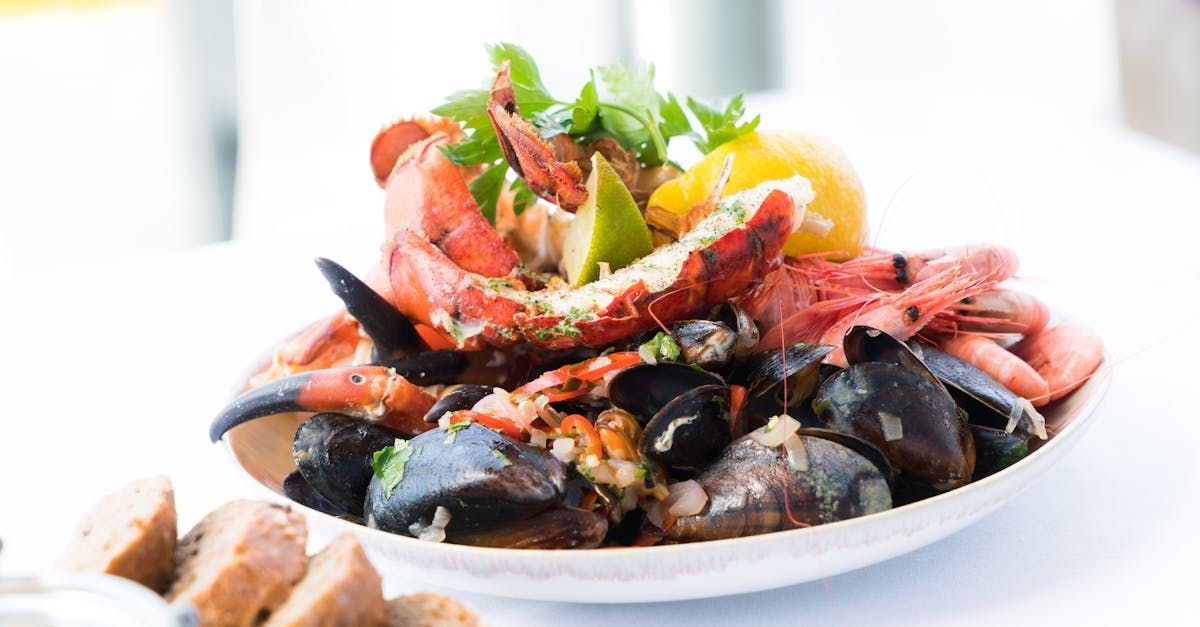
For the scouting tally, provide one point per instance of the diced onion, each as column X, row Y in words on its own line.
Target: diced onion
column 893, row 429
column 564, row 450
column 648, row 354
column 777, row 429
column 797, row 453
column 625, row 473
column 686, row 498
column 537, row 437
column 435, row 531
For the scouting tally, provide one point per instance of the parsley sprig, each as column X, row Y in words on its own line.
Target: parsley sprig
column 618, row 101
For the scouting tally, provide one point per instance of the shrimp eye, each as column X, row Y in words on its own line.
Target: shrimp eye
column 913, row 313
column 357, row 378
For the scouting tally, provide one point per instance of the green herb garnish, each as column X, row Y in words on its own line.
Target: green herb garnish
column 389, row 462
column 661, row 347
column 504, row 460
column 454, row 428
column 618, row 101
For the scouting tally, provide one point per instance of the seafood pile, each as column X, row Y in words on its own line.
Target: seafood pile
column 722, row 384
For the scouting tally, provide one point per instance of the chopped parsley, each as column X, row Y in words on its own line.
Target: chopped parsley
column 454, row 428
column 504, row 460
column 661, row 347
column 389, row 463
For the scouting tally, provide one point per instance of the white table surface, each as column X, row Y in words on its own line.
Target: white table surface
column 113, row 372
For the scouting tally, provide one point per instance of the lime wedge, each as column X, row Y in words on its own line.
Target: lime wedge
column 607, row 228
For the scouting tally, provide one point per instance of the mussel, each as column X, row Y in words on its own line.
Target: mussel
column 333, row 453
column 912, row 420
column 297, row 489
column 690, row 431
column 753, row 489
column 560, row 528
column 390, row 332
column 461, row 397
column 644, row 389
column 708, row 344
column 986, row 402
column 996, row 450
column 483, row 479
column 794, row 370
column 743, row 325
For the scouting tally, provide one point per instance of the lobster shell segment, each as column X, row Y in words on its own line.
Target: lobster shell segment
column 722, row 258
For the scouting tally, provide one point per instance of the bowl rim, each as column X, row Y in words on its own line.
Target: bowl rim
column 1098, row 384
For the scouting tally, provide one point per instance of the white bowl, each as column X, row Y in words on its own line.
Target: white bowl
column 684, row 571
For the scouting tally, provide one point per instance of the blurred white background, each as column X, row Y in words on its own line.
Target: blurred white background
column 136, row 127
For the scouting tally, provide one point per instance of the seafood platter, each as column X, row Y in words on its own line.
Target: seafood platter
column 571, row 342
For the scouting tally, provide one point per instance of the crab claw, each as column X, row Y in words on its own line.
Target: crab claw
column 374, row 393
column 531, row 157
column 390, row 332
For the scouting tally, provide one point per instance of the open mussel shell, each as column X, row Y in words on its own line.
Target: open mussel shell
column 737, row 319
column 754, row 489
column 793, row 371
column 461, row 397
column 869, row 451
column 483, row 478
column 913, row 421
column 996, row 450
column 986, row 402
column 333, row 453
column 690, row 431
column 864, row 344
column 430, row 367
column 708, row 344
column 644, row 389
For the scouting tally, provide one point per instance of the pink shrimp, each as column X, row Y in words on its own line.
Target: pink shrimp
column 1006, row 368
column 1064, row 355
column 996, row 313
column 903, row 315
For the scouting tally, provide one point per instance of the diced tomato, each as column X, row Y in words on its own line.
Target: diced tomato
column 503, row 425
column 580, row 425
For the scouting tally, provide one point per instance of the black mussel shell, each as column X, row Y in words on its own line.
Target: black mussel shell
column 430, row 367
column 754, row 489
column 462, row 397
column 333, row 453
column 869, row 451
column 587, row 406
column 986, row 402
column 297, row 489
column 996, row 450
column 560, row 528
column 913, row 421
column 705, row 343
column 867, row 344
column 644, row 389
column 690, row 431
column 483, row 478
column 795, row 371
column 737, row 319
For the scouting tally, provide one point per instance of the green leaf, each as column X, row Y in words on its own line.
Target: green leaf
column 453, row 429
column 585, row 109
column 674, row 121
column 486, row 190
column 720, row 126
column 389, row 462
column 523, row 198
column 532, row 95
column 661, row 347
column 473, row 150
column 551, row 124
column 504, row 460
column 469, row 108
column 630, row 87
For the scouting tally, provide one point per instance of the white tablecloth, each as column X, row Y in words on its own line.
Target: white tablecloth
column 113, row 372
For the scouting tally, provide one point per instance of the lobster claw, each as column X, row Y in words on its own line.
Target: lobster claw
column 374, row 393
column 531, row 157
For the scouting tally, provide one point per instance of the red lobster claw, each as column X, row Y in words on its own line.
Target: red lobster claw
column 531, row 157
